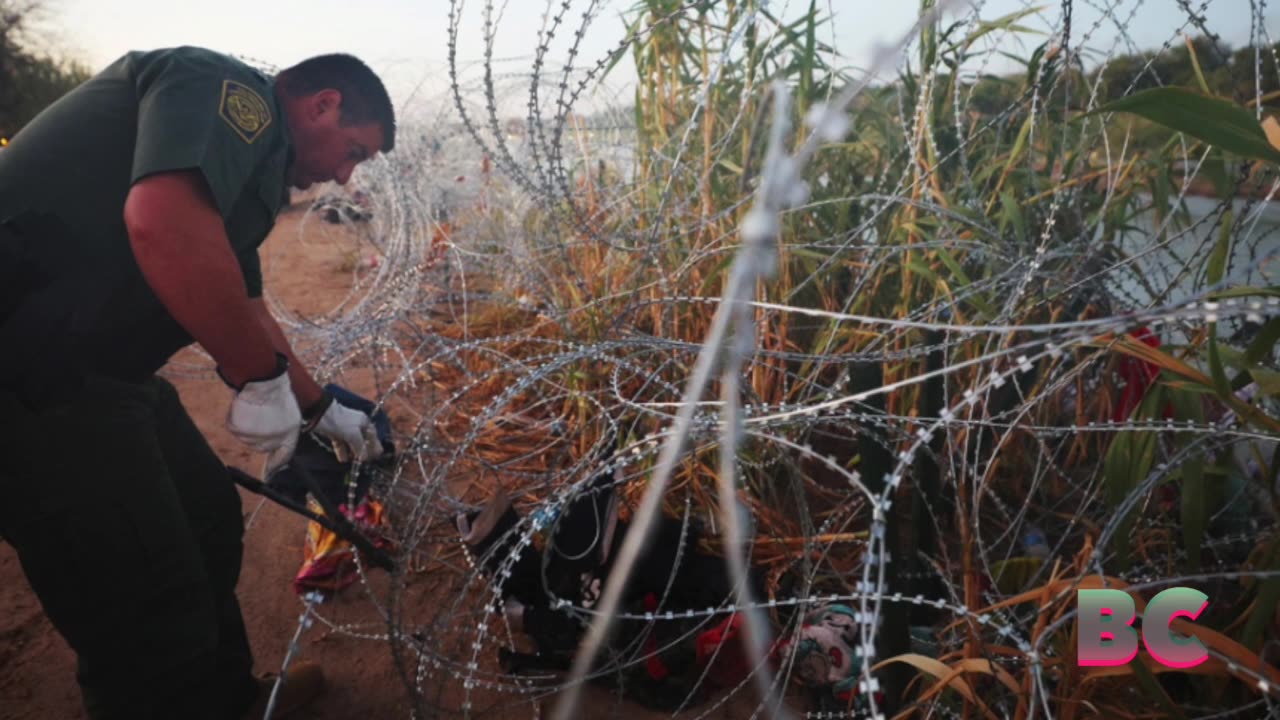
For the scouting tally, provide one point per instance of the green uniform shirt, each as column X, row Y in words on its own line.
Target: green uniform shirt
column 64, row 179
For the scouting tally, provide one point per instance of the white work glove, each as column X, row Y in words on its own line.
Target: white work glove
column 264, row 415
column 351, row 428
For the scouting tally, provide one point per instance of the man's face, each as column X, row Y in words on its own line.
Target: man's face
column 324, row 149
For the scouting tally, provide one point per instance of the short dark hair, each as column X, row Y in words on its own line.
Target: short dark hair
column 364, row 98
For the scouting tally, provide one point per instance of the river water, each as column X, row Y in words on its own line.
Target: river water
column 1156, row 275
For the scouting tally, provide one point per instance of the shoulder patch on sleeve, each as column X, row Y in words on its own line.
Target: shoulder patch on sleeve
column 244, row 110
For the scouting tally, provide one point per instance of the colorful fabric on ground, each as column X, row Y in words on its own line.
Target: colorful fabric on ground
column 824, row 653
column 329, row 562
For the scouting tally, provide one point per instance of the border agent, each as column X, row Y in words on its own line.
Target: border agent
column 131, row 211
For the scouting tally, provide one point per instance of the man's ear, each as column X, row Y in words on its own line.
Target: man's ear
column 325, row 101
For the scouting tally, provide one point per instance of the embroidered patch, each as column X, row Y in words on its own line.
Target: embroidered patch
column 244, row 110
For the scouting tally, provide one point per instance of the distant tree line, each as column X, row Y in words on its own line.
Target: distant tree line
column 30, row 78
column 1229, row 73
column 1235, row 74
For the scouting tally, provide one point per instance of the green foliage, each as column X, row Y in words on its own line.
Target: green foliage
column 1127, row 464
column 1216, row 121
column 1227, row 73
column 1268, row 597
column 1247, row 74
column 29, row 79
column 944, row 187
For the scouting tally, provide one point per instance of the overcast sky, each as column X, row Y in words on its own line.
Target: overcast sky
column 407, row 40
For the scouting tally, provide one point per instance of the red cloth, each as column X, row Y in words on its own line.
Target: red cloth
column 657, row 669
column 328, row 560
column 722, row 647
column 1137, row 375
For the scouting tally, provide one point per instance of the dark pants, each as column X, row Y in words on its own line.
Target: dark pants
column 129, row 531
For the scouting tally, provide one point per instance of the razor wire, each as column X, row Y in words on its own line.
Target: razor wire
column 538, row 314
